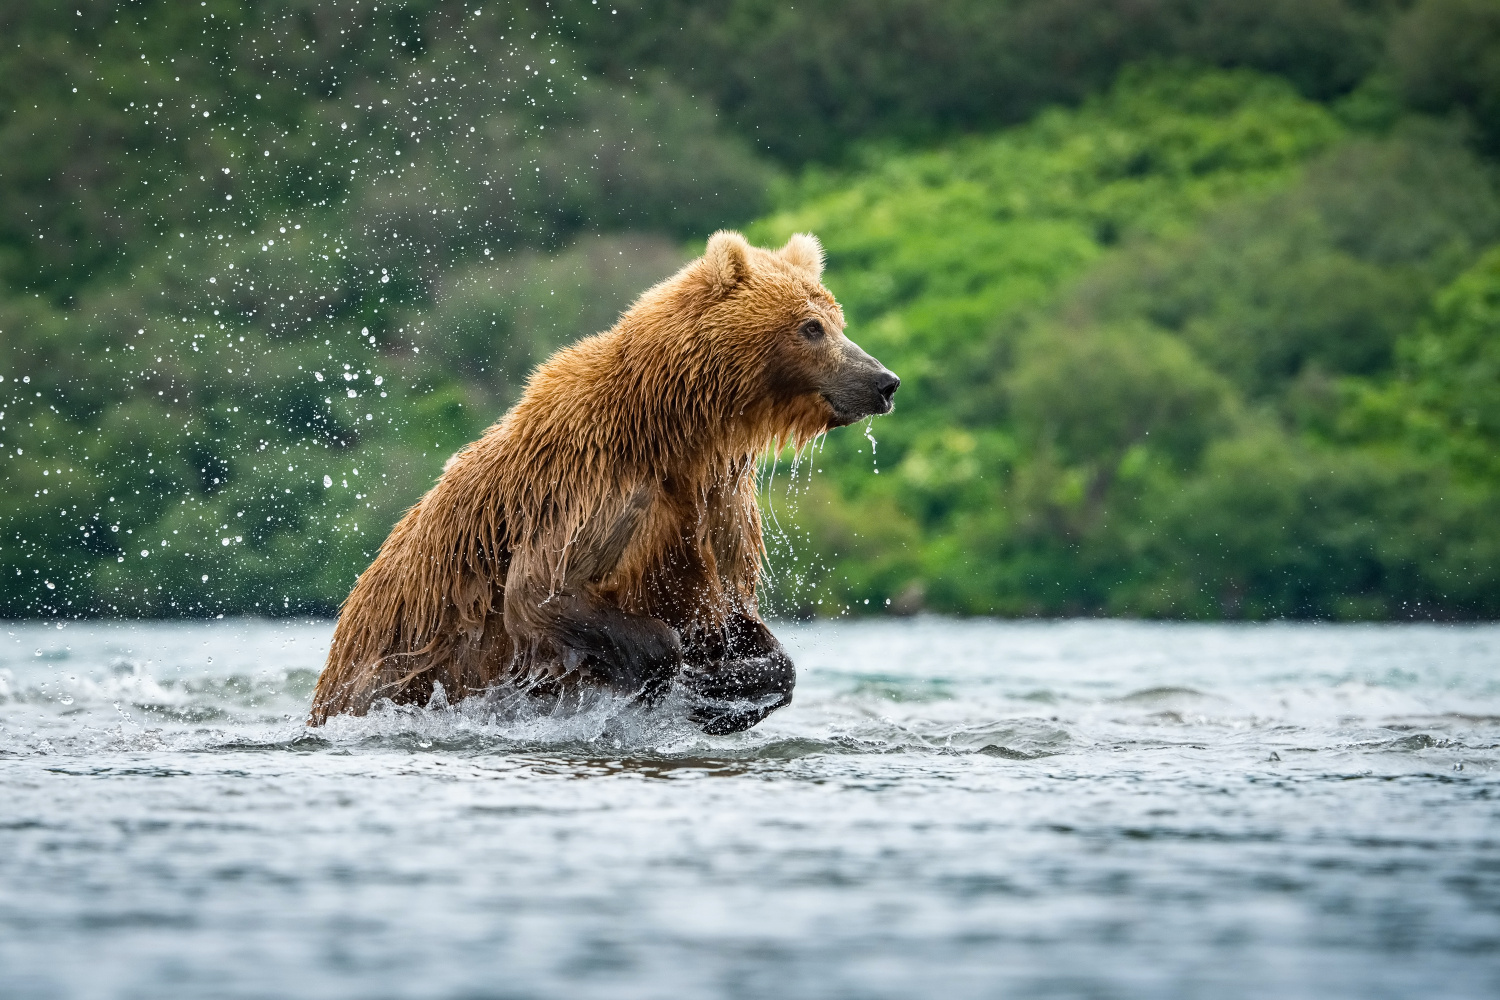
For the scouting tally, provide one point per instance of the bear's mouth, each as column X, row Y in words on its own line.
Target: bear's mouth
column 844, row 416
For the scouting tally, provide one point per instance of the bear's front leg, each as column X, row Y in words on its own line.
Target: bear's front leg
column 632, row 654
column 627, row 653
column 736, row 677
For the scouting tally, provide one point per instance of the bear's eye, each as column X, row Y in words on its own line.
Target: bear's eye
column 812, row 330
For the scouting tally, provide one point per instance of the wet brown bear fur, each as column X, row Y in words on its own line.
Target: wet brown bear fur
column 605, row 533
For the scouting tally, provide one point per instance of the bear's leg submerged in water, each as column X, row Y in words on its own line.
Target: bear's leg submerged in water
column 627, row 653
column 736, row 676
column 732, row 677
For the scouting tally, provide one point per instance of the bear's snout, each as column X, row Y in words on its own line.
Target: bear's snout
column 860, row 386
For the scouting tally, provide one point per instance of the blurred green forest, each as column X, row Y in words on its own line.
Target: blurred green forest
column 1196, row 302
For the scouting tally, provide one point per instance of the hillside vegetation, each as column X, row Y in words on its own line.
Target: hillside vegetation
column 1197, row 305
column 1191, row 350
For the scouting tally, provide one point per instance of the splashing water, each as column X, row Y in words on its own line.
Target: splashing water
column 954, row 808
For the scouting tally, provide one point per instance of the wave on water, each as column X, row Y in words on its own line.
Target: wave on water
column 869, row 690
column 1078, row 796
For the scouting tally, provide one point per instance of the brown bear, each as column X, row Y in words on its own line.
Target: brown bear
column 604, row 534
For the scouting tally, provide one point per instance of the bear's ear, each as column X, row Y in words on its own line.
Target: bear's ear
column 726, row 263
column 803, row 250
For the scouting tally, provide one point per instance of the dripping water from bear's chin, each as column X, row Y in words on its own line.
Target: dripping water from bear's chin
column 870, row 437
column 778, row 535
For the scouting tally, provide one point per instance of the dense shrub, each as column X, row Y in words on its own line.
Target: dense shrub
column 1195, row 316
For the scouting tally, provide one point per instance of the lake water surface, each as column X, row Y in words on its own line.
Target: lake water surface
column 950, row 809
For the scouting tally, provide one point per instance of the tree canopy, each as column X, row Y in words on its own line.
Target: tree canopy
column 1196, row 304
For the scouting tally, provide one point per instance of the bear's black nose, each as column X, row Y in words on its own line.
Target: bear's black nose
column 886, row 383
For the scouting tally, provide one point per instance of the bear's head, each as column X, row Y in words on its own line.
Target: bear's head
column 766, row 314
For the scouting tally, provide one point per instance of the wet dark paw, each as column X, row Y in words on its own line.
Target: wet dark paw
column 731, row 696
column 718, row 720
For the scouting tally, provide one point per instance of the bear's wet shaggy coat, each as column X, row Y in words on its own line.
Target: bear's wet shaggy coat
column 604, row 533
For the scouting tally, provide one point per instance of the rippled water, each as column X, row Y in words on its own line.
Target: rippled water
column 950, row 809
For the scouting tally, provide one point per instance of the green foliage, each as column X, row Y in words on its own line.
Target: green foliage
column 125, row 126
column 1205, row 393
column 1328, row 273
column 1455, row 358
column 1090, row 396
column 928, row 252
column 203, row 319
column 490, row 324
column 813, row 80
column 1188, row 341
column 1447, row 401
column 1446, row 56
